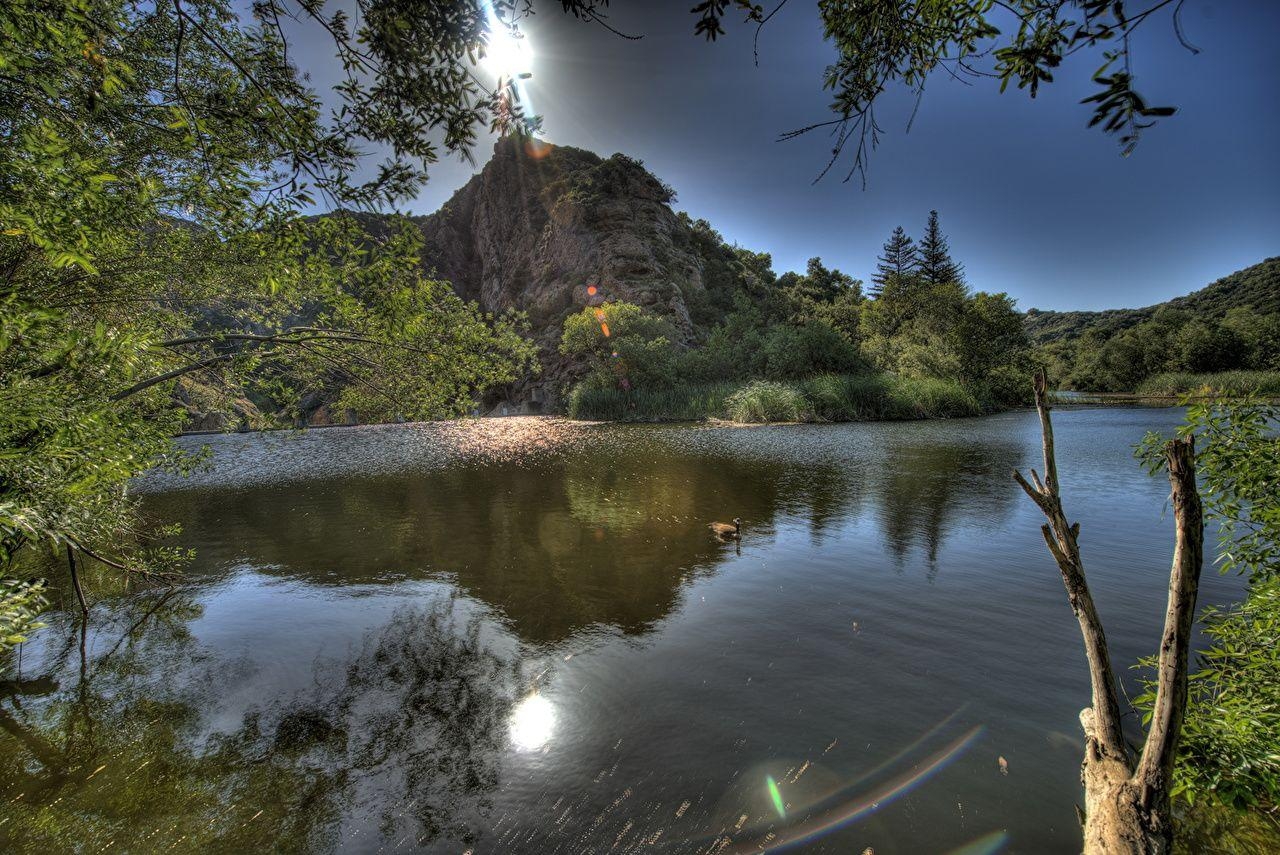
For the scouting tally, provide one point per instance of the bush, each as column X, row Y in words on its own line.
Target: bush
column 793, row 352
column 848, row 398
column 766, row 401
column 1230, row 746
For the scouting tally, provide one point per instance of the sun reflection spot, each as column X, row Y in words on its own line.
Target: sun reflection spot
column 532, row 723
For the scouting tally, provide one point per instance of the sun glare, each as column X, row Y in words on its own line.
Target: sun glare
column 507, row 55
column 532, row 723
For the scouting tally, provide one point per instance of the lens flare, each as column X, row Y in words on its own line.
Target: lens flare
column 776, row 797
column 988, row 844
column 536, row 149
column 847, row 813
column 853, row 800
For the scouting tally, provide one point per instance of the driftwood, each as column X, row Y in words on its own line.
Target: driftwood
column 1127, row 807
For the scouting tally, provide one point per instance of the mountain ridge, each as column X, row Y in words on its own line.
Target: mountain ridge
column 1255, row 287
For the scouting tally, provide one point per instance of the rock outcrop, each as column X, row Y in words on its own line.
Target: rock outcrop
column 540, row 224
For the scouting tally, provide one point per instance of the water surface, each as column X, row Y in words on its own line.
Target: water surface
column 519, row 636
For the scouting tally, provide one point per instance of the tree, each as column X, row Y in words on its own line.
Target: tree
column 1260, row 335
column 899, row 260
column 936, row 264
column 1201, row 346
column 625, row 345
column 156, row 158
column 1127, row 799
column 820, row 284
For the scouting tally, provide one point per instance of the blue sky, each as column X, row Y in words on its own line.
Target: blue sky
column 1035, row 203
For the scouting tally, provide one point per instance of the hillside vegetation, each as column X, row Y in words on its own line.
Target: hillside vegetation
column 1256, row 288
column 917, row 343
column 1232, row 325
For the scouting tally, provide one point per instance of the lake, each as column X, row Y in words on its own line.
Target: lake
column 519, row 635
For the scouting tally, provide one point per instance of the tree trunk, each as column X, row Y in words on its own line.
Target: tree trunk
column 1127, row 810
column 1115, row 822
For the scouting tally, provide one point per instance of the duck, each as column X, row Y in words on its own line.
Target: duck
column 727, row 531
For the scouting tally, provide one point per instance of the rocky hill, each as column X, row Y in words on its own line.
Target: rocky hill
column 1256, row 288
column 540, row 224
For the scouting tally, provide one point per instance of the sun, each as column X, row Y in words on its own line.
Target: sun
column 508, row 54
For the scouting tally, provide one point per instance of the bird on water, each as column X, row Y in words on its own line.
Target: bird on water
column 727, row 531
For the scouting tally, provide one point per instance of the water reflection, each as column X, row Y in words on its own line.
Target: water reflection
column 105, row 751
column 605, row 537
column 927, row 487
column 425, row 708
column 533, row 722
column 401, row 742
column 551, row 654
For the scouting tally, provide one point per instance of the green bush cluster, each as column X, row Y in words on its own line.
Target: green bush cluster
column 922, row 344
column 1230, row 747
column 824, row 398
column 677, row 404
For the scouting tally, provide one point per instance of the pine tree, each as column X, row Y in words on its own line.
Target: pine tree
column 936, row 264
column 900, row 259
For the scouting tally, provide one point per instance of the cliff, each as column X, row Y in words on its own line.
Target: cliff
column 540, row 224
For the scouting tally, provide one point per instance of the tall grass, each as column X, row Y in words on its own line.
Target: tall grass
column 825, row 398
column 764, row 401
column 676, row 404
column 1265, row 383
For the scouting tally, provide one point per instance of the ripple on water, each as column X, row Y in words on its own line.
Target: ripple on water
column 247, row 459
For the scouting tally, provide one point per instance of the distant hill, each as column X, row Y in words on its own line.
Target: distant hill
column 1256, row 287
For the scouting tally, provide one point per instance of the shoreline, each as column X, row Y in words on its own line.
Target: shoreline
column 1085, row 399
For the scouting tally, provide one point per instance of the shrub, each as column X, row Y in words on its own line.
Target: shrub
column 793, row 352
column 847, row 398
column 826, row 398
column 1230, row 746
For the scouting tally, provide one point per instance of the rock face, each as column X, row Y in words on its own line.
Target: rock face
column 539, row 225
column 210, row 409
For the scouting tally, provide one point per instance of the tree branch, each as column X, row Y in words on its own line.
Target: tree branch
column 169, row 375
column 1061, row 539
column 1155, row 767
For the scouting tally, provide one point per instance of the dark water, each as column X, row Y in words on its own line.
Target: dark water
column 519, row 636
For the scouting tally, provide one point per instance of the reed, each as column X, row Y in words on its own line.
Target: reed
column 1265, row 383
column 825, row 398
